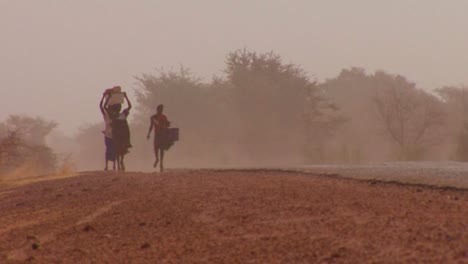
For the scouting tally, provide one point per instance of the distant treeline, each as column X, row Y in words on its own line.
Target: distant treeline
column 264, row 112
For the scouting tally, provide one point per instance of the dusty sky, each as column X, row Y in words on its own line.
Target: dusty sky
column 56, row 56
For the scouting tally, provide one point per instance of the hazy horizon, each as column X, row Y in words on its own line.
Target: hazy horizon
column 69, row 52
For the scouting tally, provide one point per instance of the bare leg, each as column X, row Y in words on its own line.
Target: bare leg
column 122, row 162
column 105, row 154
column 119, row 167
column 156, row 151
column 162, row 158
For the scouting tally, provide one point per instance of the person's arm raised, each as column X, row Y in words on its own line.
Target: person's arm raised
column 128, row 102
column 107, row 99
column 101, row 104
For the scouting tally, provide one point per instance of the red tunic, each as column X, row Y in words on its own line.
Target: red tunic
column 160, row 122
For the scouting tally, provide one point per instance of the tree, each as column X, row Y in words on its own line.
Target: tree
column 321, row 120
column 387, row 117
column 257, row 113
column 33, row 130
column 198, row 108
column 22, row 143
column 462, row 143
column 282, row 113
column 10, row 150
column 455, row 101
column 357, row 139
column 411, row 117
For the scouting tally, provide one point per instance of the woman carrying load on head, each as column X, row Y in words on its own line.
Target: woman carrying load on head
column 161, row 142
column 120, row 131
column 110, row 150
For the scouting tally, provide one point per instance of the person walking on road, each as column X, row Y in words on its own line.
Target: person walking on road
column 161, row 142
column 108, row 141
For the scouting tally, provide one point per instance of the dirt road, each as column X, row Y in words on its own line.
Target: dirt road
column 230, row 217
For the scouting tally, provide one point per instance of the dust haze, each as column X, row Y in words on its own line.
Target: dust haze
column 264, row 83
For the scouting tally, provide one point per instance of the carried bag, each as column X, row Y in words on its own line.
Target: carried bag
column 173, row 134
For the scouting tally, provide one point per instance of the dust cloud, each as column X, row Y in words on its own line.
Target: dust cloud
column 265, row 113
column 319, row 97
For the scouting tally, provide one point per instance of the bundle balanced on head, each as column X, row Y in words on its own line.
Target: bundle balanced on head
column 117, row 131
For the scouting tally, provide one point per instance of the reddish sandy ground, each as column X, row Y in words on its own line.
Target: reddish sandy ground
column 230, row 217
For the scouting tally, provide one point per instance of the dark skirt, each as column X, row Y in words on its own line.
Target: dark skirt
column 121, row 136
column 161, row 141
column 110, row 151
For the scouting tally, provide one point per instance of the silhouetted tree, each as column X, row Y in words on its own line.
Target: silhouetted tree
column 33, row 130
column 462, row 143
column 387, row 117
column 10, row 150
column 199, row 109
column 358, row 138
column 282, row 112
column 261, row 111
column 455, row 101
column 411, row 117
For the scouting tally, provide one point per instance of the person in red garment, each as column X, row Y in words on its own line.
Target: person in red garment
column 161, row 142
